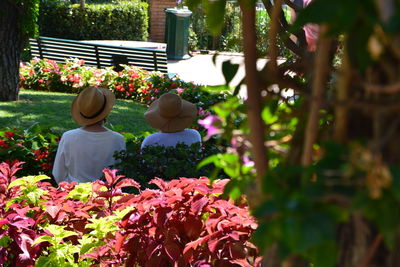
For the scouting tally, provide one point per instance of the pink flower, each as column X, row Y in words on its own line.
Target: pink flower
column 180, row 90
column 81, row 62
column 63, row 79
column 212, row 124
column 202, row 113
column 40, row 81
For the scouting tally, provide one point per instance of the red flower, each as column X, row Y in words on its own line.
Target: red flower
column 46, row 166
column 3, row 144
column 9, row 134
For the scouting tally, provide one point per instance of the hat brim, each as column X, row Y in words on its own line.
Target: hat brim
column 171, row 125
column 80, row 120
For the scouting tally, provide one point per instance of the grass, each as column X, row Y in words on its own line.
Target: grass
column 53, row 109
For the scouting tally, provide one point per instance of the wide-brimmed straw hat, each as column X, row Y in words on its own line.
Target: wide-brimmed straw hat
column 92, row 105
column 170, row 113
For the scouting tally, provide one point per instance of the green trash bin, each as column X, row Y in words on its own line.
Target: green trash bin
column 177, row 32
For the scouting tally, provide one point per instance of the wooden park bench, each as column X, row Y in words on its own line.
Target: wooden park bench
column 99, row 55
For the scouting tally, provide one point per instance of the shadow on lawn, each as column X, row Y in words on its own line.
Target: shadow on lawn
column 53, row 109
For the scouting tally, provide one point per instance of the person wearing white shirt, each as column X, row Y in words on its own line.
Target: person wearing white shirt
column 83, row 153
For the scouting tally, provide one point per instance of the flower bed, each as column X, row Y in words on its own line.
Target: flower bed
column 37, row 147
column 131, row 83
column 185, row 221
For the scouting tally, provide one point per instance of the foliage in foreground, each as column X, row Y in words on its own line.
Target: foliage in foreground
column 329, row 187
column 185, row 221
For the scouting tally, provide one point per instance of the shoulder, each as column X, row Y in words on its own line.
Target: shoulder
column 117, row 136
column 193, row 132
column 70, row 133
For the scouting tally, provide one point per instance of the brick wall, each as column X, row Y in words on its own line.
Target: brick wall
column 157, row 18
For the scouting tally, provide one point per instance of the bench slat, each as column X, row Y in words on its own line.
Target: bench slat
column 99, row 55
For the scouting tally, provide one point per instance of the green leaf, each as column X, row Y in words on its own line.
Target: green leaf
column 216, row 88
column 233, row 189
column 268, row 116
column 208, row 160
column 215, row 11
column 324, row 255
column 229, row 71
column 19, row 182
column 43, row 238
column 38, row 178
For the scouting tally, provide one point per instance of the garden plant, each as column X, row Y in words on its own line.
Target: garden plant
column 318, row 171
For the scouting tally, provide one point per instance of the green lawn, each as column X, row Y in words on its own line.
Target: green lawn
column 54, row 109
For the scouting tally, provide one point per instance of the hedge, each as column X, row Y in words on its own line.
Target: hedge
column 124, row 20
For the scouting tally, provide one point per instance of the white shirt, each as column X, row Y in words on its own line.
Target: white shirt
column 82, row 155
column 187, row 136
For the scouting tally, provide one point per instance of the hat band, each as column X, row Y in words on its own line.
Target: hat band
column 98, row 112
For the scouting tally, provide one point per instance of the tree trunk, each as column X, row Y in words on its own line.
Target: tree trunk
column 10, row 51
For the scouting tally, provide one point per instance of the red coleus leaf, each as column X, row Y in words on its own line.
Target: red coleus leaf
column 193, row 226
column 127, row 182
column 110, row 176
column 198, row 205
column 200, row 241
column 172, row 249
column 202, row 263
column 160, row 183
column 236, row 251
column 96, row 185
column 127, row 200
column 161, row 216
column 24, row 242
column 3, row 222
column 242, row 263
column 119, row 237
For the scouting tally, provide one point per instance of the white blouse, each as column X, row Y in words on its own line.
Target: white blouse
column 82, row 155
column 187, row 136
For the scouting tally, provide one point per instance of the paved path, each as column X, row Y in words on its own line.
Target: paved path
column 200, row 68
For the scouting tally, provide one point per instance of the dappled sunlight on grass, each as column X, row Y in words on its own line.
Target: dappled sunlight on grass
column 53, row 109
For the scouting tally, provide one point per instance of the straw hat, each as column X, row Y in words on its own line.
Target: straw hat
column 92, row 105
column 170, row 113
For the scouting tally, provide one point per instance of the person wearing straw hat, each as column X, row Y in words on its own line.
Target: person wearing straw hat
column 84, row 152
column 171, row 115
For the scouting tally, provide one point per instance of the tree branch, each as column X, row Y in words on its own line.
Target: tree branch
column 320, row 75
column 341, row 118
column 254, row 105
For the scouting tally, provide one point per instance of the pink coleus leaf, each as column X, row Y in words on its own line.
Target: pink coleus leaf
column 53, row 210
column 160, row 183
column 198, row 205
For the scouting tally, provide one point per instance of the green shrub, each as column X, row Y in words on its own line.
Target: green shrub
column 123, row 20
column 165, row 162
column 230, row 38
